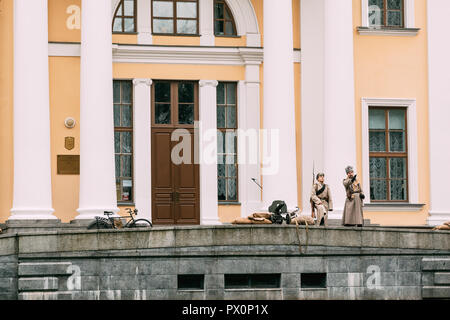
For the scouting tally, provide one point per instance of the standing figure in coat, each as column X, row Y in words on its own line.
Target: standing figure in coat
column 353, row 209
column 321, row 199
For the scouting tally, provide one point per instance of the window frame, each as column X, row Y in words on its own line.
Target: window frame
column 388, row 155
column 131, row 154
column 226, row 8
column 223, row 130
column 175, row 19
column 123, row 17
column 386, row 10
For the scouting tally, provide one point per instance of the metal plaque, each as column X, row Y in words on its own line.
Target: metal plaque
column 69, row 143
column 68, row 164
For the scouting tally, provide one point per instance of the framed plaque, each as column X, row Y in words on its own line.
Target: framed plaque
column 68, row 164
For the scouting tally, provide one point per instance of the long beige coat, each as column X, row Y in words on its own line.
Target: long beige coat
column 323, row 202
column 353, row 209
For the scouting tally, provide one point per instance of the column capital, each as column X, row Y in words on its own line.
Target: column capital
column 144, row 81
column 208, row 83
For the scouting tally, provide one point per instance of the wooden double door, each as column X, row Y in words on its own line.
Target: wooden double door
column 175, row 175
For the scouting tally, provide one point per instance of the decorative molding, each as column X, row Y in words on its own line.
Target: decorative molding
column 208, row 83
column 246, row 21
column 377, row 31
column 393, row 207
column 145, row 81
column 413, row 172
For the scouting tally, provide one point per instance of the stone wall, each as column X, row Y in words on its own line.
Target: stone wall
column 369, row 263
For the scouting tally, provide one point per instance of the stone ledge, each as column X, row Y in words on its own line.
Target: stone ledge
column 38, row 284
column 44, row 268
column 436, row 292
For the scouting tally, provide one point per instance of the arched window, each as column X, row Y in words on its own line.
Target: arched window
column 175, row 17
column 125, row 17
column 223, row 19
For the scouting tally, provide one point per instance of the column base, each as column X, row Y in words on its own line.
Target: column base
column 210, row 222
column 91, row 213
column 32, row 214
column 438, row 218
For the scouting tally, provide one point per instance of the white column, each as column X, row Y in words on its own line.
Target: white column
column 339, row 99
column 32, row 166
column 97, row 172
column 439, row 111
column 144, row 22
column 142, row 147
column 248, row 143
column 208, row 152
column 280, row 181
column 206, row 22
column 328, row 98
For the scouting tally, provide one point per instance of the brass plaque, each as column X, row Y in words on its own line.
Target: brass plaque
column 69, row 143
column 68, row 164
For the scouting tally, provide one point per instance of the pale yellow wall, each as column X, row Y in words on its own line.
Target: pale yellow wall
column 6, row 108
column 395, row 67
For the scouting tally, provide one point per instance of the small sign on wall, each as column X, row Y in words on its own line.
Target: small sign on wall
column 68, row 164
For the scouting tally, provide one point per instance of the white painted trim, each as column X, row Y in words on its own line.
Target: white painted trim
column 114, row 5
column 410, row 104
column 409, row 15
column 144, row 22
column 246, row 21
column 393, row 208
column 206, row 22
column 388, row 32
column 142, row 159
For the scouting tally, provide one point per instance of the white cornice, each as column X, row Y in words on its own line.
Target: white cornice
column 173, row 54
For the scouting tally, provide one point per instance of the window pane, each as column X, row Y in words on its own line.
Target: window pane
column 398, row 190
column 397, row 119
column 376, row 13
column 187, row 26
column 230, row 142
column 231, row 188
column 116, row 115
column 397, row 142
column 186, row 92
column 186, row 10
column 377, row 167
column 229, row 29
column 220, row 142
column 117, row 25
column 221, row 170
column 394, row 18
column 162, row 114
column 221, row 93
column 394, row 4
column 162, row 92
column 117, row 158
column 377, row 119
column 126, row 166
column 162, row 26
column 378, row 190
column 219, row 27
column 231, row 117
column 220, row 117
column 116, row 86
column 117, row 142
column 186, row 114
column 220, row 159
column 397, row 168
column 221, row 189
column 127, row 120
column 231, row 170
column 377, row 141
column 127, row 191
column 218, row 11
column 230, row 159
column 231, row 93
column 129, row 7
column 378, row 3
column 127, row 142
column 163, row 9
column 129, row 25
column 126, row 92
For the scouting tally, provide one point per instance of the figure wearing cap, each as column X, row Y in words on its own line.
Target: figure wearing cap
column 321, row 199
column 353, row 209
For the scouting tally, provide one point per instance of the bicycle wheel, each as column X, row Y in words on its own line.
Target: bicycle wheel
column 99, row 224
column 140, row 223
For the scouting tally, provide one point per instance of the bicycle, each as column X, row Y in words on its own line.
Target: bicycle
column 116, row 223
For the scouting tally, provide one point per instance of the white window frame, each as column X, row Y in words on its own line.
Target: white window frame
column 413, row 174
column 408, row 29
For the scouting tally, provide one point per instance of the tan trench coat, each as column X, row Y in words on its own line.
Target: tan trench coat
column 323, row 202
column 353, row 209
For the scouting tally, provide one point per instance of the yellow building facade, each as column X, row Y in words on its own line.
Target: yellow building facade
column 353, row 63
